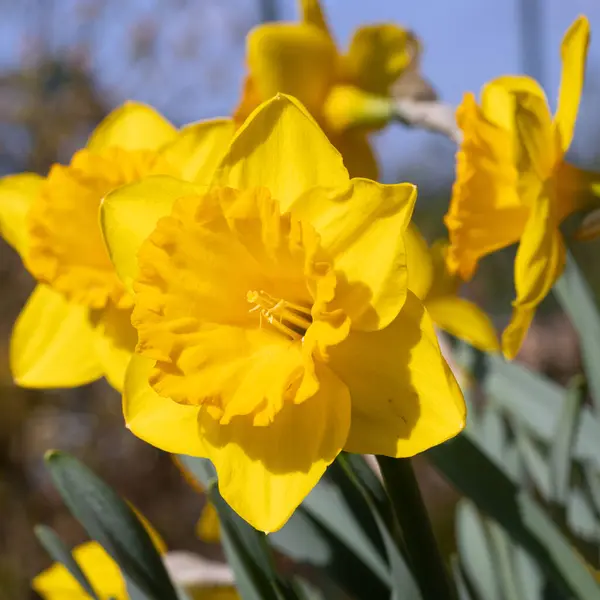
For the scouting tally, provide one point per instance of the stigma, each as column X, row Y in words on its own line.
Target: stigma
column 288, row 318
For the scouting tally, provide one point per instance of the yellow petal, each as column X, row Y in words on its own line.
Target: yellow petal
column 52, row 344
column 115, row 342
column 465, row 320
column 573, row 54
column 404, row 397
column 486, row 212
column 312, row 14
column 266, row 472
column 17, row 192
column 132, row 126
column 358, row 155
column 56, row 583
column 208, row 528
column 418, row 262
column 159, row 421
column 282, row 148
column 535, row 148
column 362, row 229
column 199, row 147
column 378, row 56
column 291, row 58
column 539, row 263
column 129, row 215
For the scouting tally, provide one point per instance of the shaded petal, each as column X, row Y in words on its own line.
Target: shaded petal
column 539, row 263
column 132, row 126
column 17, row 192
column 486, row 212
column 281, row 148
column 52, row 344
column 199, row 147
column 130, row 214
column 465, row 320
column 362, row 229
column 208, row 527
column 378, row 56
column 115, row 342
column 418, row 262
column 404, row 396
column 291, row 58
column 159, row 421
column 573, row 53
column 266, row 472
column 101, row 570
column 357, row 153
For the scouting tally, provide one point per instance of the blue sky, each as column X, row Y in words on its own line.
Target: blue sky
column 467, row 42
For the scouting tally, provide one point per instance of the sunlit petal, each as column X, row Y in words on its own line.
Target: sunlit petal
column 404, row 397
column 265, row 472
column 17, row 192
column 133, row 126
column 52, row 344
column 170, row 426
column 281, row 148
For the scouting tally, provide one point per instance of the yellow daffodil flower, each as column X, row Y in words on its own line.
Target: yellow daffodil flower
column 512, row 182
column 275, row 325
column 429, row 279
column 76, row 325
column 346, row 93
column 103, row 573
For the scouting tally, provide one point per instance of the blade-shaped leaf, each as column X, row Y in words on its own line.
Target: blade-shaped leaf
column 112, row 523
column 59, row 552
column 577, row 300
column 561, row 449
column 484, row 483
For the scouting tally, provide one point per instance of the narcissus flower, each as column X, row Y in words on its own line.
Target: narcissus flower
column 512, row 182
column 76, row 326
column 348, row 94
column 274, row 320
column 429, row 279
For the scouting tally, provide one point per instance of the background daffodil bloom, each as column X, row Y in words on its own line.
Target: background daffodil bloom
column 341, row 91
column 76, row 325
column 275, row 324
column 103, row 573
column 429, row 279
column 511, row 178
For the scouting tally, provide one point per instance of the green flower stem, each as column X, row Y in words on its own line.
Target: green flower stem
column 421, row 547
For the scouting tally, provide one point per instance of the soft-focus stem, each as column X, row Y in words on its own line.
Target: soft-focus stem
column 421, row 546
column 434, row 116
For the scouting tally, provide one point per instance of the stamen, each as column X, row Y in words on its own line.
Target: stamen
column 289, row 318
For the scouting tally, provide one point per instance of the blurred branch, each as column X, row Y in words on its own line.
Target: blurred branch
column 432, row 115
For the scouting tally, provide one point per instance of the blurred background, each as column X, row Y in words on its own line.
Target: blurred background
column 64, row 64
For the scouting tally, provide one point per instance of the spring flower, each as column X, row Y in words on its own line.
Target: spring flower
column 512, row 182
column 275, row 325
column 346, row 93
column 429, row 279
column 76, row 326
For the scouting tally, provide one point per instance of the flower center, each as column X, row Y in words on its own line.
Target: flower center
column 286, row 317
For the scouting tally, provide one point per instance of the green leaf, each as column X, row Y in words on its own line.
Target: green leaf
column 537, row 403
column 59, row 552
column 592, row 480
column 504, row 551
column 247, row 552
column 112, row 523
column 581, row 517
column 484, row 483
column 577, row 300
column 535, row 464
column 459, row 580
column 358, row 471
column 561, row 449
column 475, row 550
